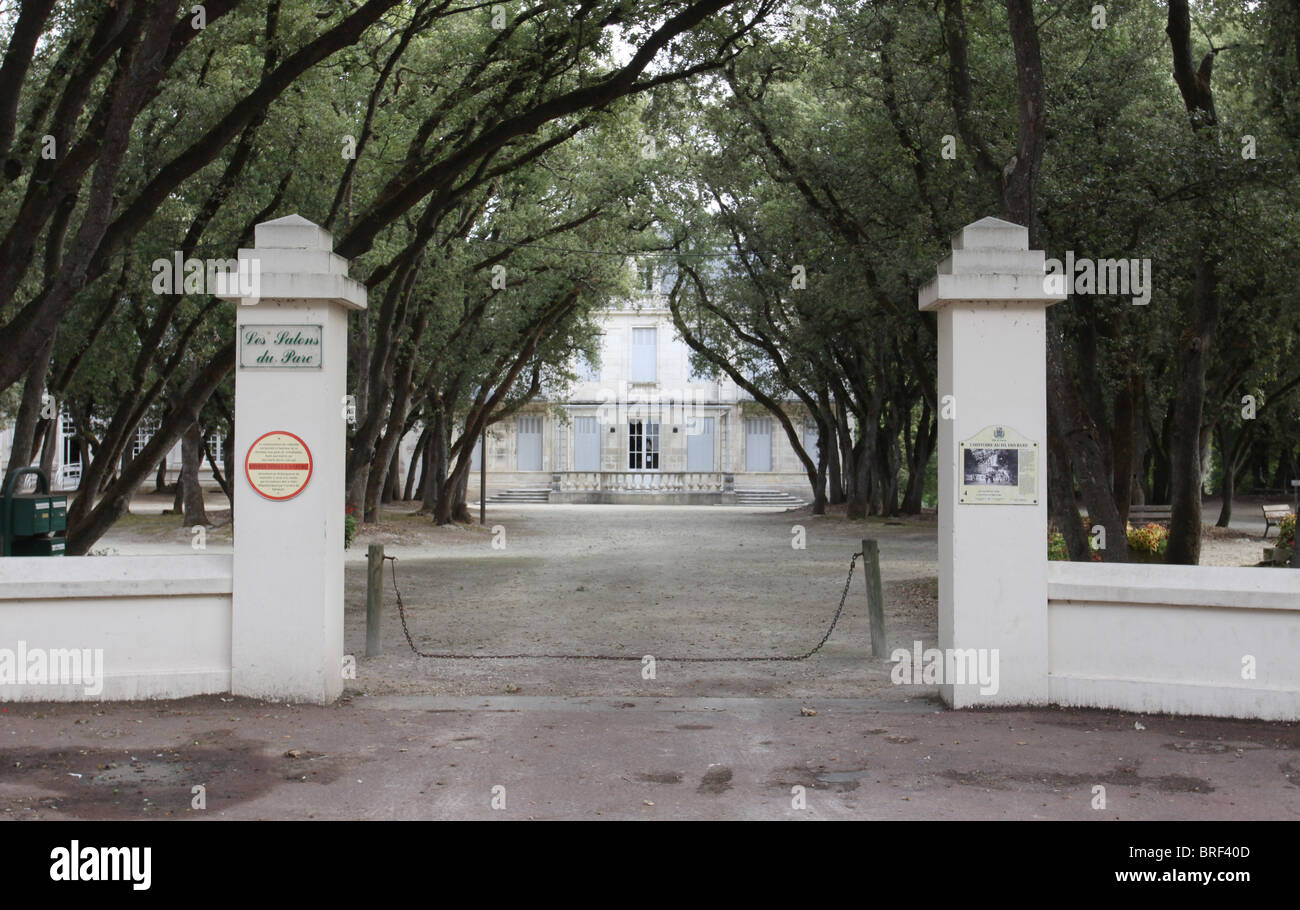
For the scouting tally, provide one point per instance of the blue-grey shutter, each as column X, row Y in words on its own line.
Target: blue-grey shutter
column 586, row 444
column 643, row 355
column 758, row 443
column 530, row 444
column 699, row 445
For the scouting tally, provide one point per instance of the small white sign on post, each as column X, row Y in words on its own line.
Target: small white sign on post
column 292, row 347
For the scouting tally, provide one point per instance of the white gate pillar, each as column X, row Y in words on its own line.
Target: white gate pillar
column 288, row 471
column 991, row 301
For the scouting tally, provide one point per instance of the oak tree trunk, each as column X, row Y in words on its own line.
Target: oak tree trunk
column 191, row 489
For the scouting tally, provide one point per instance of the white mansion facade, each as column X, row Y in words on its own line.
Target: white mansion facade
column 642, row 420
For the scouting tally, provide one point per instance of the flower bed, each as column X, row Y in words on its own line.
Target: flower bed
column 1286, row 532
column 1147, row 543
column 1057, row 549
column 1280, row 553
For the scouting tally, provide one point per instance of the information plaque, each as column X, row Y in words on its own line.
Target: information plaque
column 999, row 467
column 278, row 465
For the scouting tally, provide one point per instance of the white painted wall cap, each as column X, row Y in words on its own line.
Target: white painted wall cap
column 296, row 261
column 991, row 263
column 991, row 289
column 316, row 262
column 30, row 578
column 991, row 234
column 313, row 287
column 292, row 232
column 1192, row 586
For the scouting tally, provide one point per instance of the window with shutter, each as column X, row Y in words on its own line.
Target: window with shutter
column 758, row 444
column 643, row 355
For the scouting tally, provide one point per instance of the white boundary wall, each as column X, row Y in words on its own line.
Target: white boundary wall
column 1223, row 642
column 174, row 626
column 162, row 622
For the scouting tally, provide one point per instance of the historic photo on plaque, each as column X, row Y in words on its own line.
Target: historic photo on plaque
column 999, row 466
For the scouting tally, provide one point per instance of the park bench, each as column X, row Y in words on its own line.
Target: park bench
column 1274, row 514
column 1140, row 515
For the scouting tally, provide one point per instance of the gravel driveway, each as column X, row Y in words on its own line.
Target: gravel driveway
column 641, row 580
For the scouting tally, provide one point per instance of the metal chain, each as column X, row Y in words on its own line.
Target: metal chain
column 444, row 655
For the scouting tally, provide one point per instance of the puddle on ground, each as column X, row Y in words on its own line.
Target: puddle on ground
column 154, row 782
column 715, row 781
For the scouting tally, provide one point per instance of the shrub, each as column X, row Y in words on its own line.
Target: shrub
column 1151, row 539
column 1286, row 532
column 1056, row 548
column 349, row 529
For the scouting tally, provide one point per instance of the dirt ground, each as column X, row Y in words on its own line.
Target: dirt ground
column 442, row 757
column 634, row 581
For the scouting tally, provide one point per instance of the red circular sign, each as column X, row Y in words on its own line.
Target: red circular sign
column 278, row 465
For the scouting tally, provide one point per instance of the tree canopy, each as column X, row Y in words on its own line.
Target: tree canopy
column 488, row 169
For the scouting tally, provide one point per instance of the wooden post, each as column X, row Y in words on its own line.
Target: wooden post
column 875, row 597
column 482, row 478
column 374, row 595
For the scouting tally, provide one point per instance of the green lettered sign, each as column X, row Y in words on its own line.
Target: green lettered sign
column 284, row 347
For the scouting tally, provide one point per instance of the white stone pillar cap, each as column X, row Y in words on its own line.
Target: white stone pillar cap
column 294, row 259
column 990, row 263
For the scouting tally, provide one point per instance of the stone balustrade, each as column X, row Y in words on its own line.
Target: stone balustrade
column 650, row 482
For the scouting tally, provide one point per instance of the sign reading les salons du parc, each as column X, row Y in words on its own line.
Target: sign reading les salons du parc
column 278, row 465
column 294, row 347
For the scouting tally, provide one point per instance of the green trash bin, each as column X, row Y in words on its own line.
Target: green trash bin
column 33, row 524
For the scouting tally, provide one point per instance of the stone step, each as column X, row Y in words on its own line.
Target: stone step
column 522, row 494
column 767, row 498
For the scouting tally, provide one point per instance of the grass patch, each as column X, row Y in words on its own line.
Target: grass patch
column 149, row 524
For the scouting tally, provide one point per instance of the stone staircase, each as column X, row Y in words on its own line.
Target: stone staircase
column 767, row 498
column 522, row 494
column 751, row 497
